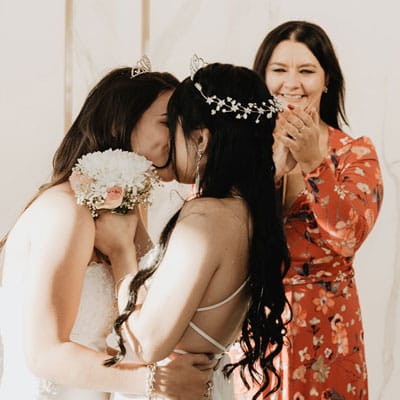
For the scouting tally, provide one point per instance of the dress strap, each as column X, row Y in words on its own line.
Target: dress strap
column 207, row 337
column 217, row 356
column 228, row 299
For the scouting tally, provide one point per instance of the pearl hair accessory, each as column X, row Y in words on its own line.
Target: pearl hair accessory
column 142, row 66
column 230, row 105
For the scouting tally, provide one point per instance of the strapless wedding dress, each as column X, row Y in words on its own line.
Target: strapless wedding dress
column 97, row 312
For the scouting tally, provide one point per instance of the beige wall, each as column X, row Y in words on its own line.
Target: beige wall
column 51, row 58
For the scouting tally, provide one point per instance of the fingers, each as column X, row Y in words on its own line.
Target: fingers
column 290, row 141
column 298, row 118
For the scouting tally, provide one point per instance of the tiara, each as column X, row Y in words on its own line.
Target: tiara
column 142, row 66
column 230, row 105
column 195, row 64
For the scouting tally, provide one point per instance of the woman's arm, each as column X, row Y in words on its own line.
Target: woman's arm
column 177, row 287
column 345, row 190
column 62, row 238
column 345, row 194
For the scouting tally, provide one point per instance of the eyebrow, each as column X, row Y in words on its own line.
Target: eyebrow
column 299, row 66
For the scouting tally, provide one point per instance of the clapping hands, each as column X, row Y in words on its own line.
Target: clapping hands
column 297, row 140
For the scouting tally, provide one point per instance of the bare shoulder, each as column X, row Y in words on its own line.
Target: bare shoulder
column 57, row 205
column 215, row 214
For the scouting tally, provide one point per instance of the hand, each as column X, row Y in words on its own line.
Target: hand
column 283, row 158
column 115, row 232
column 185, row 377
column 299, row 132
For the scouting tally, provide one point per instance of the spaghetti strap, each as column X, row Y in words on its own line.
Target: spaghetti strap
column 207, row 337
column 203, row 334
column 228, row 299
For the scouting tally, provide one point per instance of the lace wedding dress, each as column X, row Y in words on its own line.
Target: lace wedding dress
column 97, row 312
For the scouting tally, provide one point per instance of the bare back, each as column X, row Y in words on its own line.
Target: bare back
column 205, row 262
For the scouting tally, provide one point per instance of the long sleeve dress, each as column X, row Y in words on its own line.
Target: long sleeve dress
column 324, row 355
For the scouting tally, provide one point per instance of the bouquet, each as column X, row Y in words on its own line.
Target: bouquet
column 115, row 180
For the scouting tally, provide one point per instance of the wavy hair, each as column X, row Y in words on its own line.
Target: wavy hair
column 332, row 108
column 106, row 119
column 239, row 159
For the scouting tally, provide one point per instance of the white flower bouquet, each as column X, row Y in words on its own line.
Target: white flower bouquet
column 115, row 180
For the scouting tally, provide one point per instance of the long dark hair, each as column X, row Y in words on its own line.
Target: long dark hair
column 106, row 119
column 239, row 159
column 332, row 109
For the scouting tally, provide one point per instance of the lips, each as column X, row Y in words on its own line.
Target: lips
column 291, row 98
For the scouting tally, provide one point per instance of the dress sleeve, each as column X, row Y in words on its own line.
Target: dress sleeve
column 345, row 193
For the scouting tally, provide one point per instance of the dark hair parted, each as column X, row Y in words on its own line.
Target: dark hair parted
column 106, row 119
column 332, row 109
column 239, row 160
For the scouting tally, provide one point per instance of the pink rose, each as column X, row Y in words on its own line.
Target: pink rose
column 113, row 199
column 79, row 182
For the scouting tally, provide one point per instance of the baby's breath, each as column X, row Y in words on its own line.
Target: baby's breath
column 98, row 172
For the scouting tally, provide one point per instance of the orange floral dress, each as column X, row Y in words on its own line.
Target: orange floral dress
column 324, row 355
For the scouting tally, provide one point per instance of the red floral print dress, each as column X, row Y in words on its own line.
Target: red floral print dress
column 324, row 355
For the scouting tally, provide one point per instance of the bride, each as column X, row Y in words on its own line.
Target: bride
column 223, row 254
column 58, row 298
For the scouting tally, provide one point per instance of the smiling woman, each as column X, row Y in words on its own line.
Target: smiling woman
column 295, row 75
column 331, row 194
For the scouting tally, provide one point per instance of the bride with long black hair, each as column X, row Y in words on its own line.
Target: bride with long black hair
column 222, row 257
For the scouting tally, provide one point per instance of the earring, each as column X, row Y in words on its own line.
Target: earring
column 197, row 177
column 326, row 89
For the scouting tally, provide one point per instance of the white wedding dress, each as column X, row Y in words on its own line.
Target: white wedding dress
column 97, row 312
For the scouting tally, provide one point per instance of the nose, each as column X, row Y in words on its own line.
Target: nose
column 292, row 80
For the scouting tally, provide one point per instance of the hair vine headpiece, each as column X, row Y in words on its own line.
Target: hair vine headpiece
column 142, row 66
column 230, row 105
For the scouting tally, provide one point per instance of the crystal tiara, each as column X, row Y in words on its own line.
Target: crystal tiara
column 142, row 66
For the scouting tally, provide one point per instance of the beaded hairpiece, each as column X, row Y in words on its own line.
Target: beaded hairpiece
column 142, row 66
column 230, row 105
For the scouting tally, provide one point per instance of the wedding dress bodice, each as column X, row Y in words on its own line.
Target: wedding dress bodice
column 97, row 309
column 96, row 315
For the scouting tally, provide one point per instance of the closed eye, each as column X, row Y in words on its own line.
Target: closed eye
column 307, row 71
column 278, row 70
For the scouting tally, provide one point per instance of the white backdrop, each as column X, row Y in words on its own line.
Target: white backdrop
column 53, row 51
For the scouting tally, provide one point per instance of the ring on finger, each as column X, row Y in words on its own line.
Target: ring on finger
column 209, row 388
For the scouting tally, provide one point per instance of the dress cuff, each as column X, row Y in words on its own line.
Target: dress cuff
column 326, row 165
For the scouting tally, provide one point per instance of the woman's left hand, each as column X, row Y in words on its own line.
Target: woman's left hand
column 300, row 134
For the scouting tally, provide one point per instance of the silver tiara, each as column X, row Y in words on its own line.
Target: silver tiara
column 195, row 64
column 142, row 66
column 230, row 105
